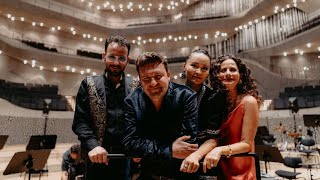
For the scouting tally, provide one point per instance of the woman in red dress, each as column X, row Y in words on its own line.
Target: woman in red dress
column 237, row 132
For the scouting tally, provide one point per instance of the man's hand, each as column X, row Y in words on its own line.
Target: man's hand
column 98, row 155
column 182, row 149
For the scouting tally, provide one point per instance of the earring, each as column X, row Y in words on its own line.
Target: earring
column 183, row 74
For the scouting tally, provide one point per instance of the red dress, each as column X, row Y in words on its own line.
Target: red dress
column 235, row 168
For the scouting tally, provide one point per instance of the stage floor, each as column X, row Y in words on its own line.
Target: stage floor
column 55, row 159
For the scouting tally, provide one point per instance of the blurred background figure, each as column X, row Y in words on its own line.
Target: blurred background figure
column 72, row 165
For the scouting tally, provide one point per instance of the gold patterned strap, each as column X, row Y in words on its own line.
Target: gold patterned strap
column 98, row 110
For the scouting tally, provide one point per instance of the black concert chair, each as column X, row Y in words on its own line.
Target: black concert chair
column 293, row 162
column 267, row 138
column 308, row 149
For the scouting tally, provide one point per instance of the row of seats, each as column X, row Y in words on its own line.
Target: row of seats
column 32, row 96
column 39, row 46
column 307, row 96
column 89, row 54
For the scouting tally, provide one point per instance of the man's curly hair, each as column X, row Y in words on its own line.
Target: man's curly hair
column 247, row 85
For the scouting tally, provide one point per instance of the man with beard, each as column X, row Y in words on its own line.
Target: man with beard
column 99, row 113
column 160, row 121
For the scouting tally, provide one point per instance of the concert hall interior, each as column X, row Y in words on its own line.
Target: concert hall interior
column 47, row 47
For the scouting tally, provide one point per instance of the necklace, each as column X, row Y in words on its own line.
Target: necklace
column 203, row 89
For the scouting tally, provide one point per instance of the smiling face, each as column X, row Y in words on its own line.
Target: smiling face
column 197, row 68
column 116, row 59
column 229, row 74
column 154, row 80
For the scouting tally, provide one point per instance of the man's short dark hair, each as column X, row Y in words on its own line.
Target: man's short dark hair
column 75, row 148
column 149, row 58
column 119, row 40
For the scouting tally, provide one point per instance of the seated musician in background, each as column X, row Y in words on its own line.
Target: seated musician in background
column 72, row 165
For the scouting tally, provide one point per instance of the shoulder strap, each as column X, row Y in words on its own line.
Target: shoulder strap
column 98, row 109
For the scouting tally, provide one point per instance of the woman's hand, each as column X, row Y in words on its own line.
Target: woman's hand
column 190, row 164
column 212, row 158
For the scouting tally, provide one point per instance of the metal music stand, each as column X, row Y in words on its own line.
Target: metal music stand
column 31, row 162
column 312, row 120
column 42, row 142
column 268, row 154
column 3, row 140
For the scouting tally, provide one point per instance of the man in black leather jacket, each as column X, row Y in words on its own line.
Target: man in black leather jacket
column 160, row 120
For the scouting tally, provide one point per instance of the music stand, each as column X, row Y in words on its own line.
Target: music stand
column 268, row 154
column 31, row 162
column 42, row 142
column 312, row 120
column 3, row 140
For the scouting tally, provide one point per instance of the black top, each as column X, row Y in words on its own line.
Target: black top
column 150, row 133
column 82, row 123
column 212, row 112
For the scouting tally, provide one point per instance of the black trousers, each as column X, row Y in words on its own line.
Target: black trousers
column 118, row 169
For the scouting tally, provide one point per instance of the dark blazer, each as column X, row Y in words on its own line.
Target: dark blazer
column 149, row 134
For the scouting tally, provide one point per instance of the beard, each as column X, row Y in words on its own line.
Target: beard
column 114, row 71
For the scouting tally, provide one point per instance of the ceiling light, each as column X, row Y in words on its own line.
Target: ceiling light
column 175, row 39
column 74, row 32
column 41, row 68
column 175, row 77
column 263, row 17
column 236, row 29
column 98, row 7
column 22, row 18
column 94, row 73
column 206, row 36
column 133, row 41
column 144, row 41
column 139, row 38
column 319, row 48
column 88, row 36
column 41, row 24
column 81, row 72
column 88, row 70
column 250, row 23
column 195, row 37
column 296, row 51
column 25, row 61
column 282, row 9
column 94, row 38
column 73, row 69
column 288, row 6
column 285, row 53
column 9, row 16
column 58, row 28
column 309, row 45
column 319, row 57
column 256, row 21
column 67, row 68
column 90, row 4
column 33, row 65
column 53, row 28
column 0, row 51
column 301, row 52
column 55, row 69
column 150, row 40
column 12, row 18
column 100, row 39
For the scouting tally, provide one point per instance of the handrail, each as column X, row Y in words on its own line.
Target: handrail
column 250, row 154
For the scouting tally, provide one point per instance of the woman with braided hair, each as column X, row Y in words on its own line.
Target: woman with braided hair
column 211, row 111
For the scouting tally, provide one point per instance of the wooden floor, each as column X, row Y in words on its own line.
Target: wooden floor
column 55, row 159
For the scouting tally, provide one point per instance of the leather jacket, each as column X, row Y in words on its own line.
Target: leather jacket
column 149, row 133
